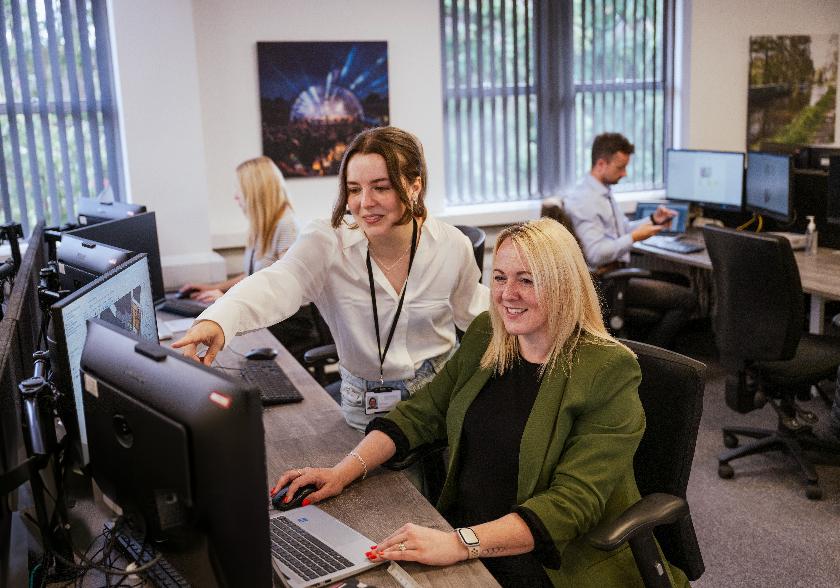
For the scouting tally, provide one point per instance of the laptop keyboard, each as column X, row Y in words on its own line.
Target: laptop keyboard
column 669, row 244
column 301, row 551
column 272, row 382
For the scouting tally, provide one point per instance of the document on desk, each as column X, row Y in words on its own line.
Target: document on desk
column 167, row 329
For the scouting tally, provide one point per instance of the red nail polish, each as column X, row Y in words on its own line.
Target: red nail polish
column 287, row 499
column 306, row 502
column 373, row 546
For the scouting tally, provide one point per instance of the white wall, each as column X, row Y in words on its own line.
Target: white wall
column 718, row 60
column 187, row 75
column 163, row 139
column 226, row 34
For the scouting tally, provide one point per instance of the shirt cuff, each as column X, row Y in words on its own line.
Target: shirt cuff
column 544, row 550
column 395, row 433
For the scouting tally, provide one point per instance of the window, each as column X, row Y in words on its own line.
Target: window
column 58, row 120
column 528, row 84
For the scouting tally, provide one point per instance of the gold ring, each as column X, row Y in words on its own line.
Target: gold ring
column 401, row 546
column 300, row 472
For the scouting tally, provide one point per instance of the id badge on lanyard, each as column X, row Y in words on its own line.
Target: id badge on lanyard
column 381, row 399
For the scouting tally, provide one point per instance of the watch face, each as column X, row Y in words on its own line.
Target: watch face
column 468, row 536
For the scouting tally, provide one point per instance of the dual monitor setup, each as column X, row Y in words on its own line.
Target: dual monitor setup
column 758, row 182
column 151, row 428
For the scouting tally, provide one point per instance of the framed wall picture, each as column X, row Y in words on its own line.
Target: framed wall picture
column 792, row 90
column 315, row 97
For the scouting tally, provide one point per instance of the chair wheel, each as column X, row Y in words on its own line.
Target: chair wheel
column 730, row 440
column 813, row 492
column 725, row 471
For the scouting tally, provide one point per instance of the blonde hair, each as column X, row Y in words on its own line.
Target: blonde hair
column 563, row 287
column 263, row 188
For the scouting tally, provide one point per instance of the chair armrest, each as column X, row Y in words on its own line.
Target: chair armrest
column 322, row 354
column 626, row 273
column 417, row 454
column 651, row 511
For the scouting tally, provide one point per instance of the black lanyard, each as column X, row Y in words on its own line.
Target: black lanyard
column 399, row 306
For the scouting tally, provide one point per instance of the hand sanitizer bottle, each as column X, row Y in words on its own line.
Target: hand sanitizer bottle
column 811, row 237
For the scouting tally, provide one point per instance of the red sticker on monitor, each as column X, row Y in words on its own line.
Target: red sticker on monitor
column 220, row 399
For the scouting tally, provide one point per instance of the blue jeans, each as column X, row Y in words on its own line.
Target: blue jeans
column 353, row 389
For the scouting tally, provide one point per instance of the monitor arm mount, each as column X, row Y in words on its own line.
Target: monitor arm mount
column 11, row 232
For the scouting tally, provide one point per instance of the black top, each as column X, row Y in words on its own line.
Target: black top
column 489, row 469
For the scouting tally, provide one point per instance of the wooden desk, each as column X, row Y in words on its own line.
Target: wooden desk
column 313, row 433
column 819, row 274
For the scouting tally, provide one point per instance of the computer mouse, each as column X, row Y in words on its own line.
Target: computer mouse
column 303, row 492
column 185, row 293
column 261, row 353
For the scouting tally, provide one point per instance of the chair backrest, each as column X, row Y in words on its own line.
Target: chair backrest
column 553, row 208
column 476, row 237
column 671, row 392
column 759, row 302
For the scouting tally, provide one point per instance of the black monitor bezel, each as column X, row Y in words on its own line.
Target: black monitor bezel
column 70, row 269
column 758, row 209
column 703, row 203
column 118, row 210
column 93, row 232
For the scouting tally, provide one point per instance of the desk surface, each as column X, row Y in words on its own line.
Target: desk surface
column 313, row 433
column 820, row 273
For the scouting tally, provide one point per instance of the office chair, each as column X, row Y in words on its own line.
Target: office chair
column 325, row 354
column 477, row 237
column 758, row 330
column 671, row 392
column 611, row 285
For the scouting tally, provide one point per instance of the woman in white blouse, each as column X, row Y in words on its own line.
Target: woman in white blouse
column 392, row 284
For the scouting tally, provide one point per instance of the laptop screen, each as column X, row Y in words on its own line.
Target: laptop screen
column 678, row 223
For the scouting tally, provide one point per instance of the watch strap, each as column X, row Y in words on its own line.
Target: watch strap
column 474, row 549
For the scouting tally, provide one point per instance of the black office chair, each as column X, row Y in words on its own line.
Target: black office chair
column 477, row 237
column 319, row 357
column 671, row 392
column 758, row 329
column 611, row 285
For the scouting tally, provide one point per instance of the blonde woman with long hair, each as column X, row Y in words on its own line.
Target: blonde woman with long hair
column 541, row 412
column 272, row 228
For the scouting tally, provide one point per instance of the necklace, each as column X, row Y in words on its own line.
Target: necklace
column 388, row 268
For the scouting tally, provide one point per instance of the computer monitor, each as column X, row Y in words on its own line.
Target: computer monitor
column 80, row 261
column 123, row 297
column 768, row 185
column 134, row 233
column 708, row 178
column 821, row 156
column 93, row 211
column 180, row 449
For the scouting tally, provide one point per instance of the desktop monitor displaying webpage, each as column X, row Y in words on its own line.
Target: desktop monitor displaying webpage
column 122, row 297
column 710, row 178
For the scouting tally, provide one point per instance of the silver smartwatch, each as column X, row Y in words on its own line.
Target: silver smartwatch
column 470, row 539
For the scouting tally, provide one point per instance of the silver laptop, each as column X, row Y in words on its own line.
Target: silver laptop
column 312, row 548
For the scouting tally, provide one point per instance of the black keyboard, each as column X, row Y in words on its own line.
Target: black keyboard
column 274, row 385
column 183, row 307
column 306, row 555
column 162, row 574
column 673, row 245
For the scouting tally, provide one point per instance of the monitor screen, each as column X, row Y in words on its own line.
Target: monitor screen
column 135, row 233
column 180, row 448
column 769, row 184
column 678, row 224
column 93, row 211
column 710, row 178
column 80, row 261
column 123, row 297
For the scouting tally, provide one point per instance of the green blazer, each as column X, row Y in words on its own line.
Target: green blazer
column 576, row 454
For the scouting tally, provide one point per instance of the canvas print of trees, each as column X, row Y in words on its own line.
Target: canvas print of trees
column 793, row 90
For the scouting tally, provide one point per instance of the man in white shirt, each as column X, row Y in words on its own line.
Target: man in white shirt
column 607, row 236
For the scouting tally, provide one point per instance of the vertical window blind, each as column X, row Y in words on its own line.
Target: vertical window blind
column 58, row 119
column 527, row 84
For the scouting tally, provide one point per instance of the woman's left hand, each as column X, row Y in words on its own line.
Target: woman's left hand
column 208, row 295
column 429, row 546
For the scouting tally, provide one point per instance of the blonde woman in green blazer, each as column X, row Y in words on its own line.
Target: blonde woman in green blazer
column 540, row 408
